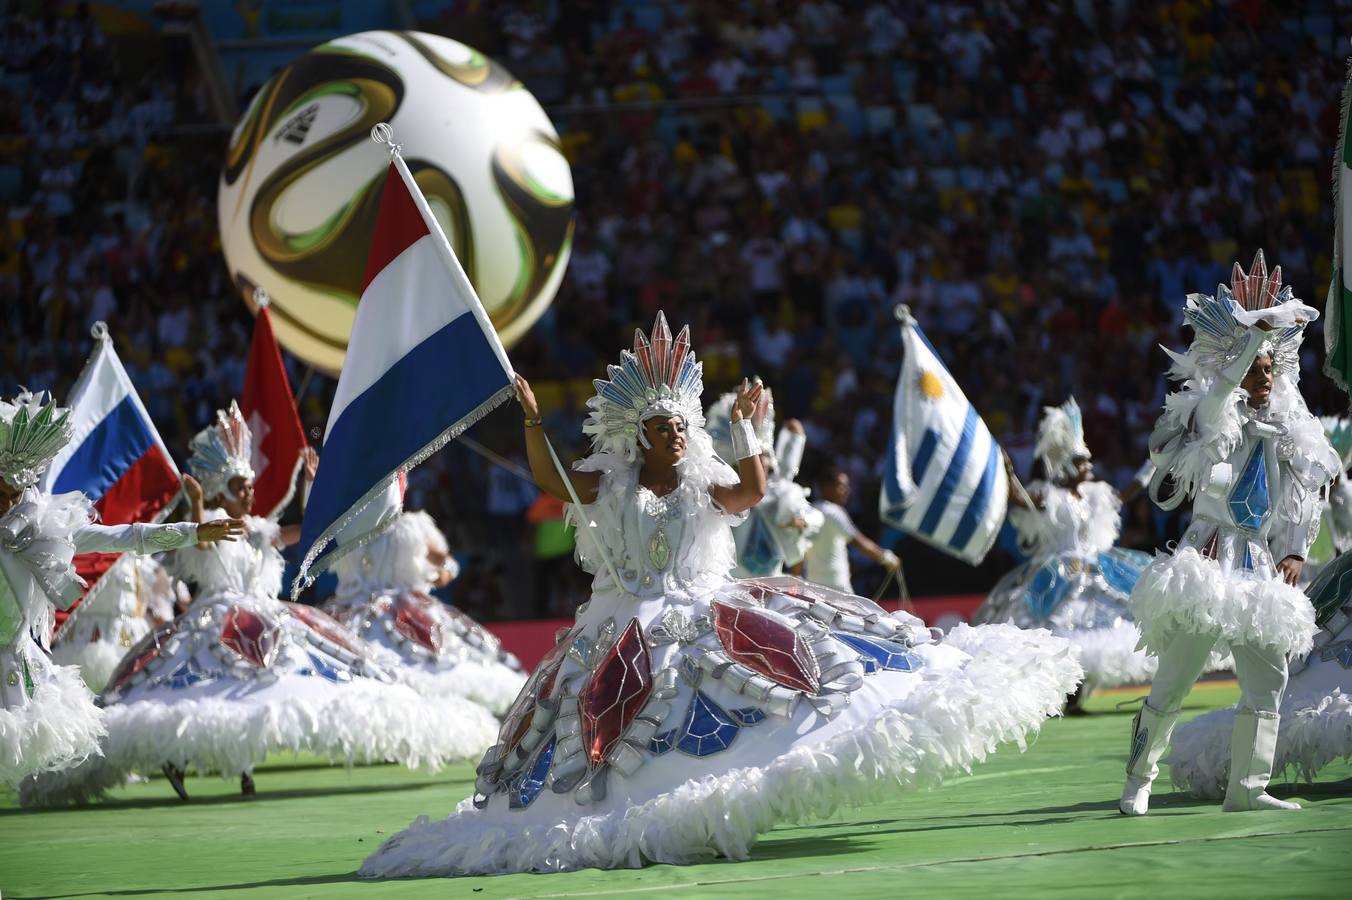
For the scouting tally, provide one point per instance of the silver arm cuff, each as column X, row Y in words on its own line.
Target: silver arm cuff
column 745, row 444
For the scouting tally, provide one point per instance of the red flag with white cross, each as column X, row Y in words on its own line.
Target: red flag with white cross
column 270, row 410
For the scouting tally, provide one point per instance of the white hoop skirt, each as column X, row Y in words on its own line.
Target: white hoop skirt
column 233, row 680
column 672, row 730
column 1083, row 598
column 435, row 649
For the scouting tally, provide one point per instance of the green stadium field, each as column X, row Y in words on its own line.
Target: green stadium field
column 1037, row 824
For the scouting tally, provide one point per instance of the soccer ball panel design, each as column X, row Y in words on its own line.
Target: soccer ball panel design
column 301, row 183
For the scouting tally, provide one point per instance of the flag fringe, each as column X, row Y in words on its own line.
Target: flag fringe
column 1333, row 312
column 317, row 561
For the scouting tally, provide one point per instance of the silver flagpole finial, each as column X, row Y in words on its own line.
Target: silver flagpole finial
column 100, row 331
column 382, row 133
column 261, row 298
column 902, row 312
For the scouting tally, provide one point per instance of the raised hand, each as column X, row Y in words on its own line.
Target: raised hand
column 526, row 397
column 748, row 395
column 310, row 456
column 220, row 530
column 192, row 490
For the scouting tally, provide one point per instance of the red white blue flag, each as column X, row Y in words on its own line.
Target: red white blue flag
column 422, row 365
column 116, row 456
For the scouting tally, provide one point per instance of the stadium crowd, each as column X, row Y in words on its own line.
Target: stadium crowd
column 1041, row 182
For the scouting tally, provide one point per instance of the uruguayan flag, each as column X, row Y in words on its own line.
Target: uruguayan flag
column 943, row 479
column 422, row 365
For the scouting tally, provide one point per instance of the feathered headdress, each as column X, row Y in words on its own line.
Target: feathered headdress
column 719, row 424
column 660, row 377
column 33, row 429
column 1220, row 323
column 1060, row 439
column 222, row 451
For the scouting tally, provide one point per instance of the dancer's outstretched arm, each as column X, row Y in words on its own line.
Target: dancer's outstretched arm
column 546, row 475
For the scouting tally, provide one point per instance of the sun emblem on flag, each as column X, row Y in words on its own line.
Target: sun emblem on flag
column 931, row 387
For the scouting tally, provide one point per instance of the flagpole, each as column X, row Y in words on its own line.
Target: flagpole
column 305, row 383
column 383, row 134
column 497, row 459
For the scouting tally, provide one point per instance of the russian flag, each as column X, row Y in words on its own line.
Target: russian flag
column 944, row 481
column 116, row 456
column 422, row 365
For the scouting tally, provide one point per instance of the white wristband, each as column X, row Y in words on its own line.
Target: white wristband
column 745, row 444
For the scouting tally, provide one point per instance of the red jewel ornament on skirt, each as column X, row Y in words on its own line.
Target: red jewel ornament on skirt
column 141, row 655
column 415, row 620
column 538, row 687
column 764, row 642
column 615, row 693
column 251, row 636
column 325, row 625
column 762, row 589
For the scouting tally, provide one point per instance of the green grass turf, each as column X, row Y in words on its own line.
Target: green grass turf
column 1038, row 824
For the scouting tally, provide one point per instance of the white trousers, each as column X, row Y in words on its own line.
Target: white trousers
column 1261, row 673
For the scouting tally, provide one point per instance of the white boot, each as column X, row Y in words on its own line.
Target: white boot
column 1252, row 748
column 1150, row 732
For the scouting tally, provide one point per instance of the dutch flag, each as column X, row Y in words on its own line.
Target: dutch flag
column 422, row 365
column 943, row 478
column 116, row 456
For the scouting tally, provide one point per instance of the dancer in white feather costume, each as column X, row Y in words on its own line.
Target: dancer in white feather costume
column 241, row 674
column 384, row 595
column 48, row 719
column 779, row 529
column 1239, row 441
column 132, row 598
column 1076, row 582
column 684, row 714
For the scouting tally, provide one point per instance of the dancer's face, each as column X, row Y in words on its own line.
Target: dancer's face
column 1084, row 470
column 837, row 488
column 239, row 502
column 1258, row 382
column 9, row 496
column 666, row 440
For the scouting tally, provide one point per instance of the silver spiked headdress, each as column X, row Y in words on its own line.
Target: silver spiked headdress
column 33, row 429
column 1220, row 323
column 719, row 424
column 221, row 451
column 1060, row 439
column 660, row 377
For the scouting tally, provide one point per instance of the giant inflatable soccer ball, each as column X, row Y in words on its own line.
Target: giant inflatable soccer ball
column 302, row 180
